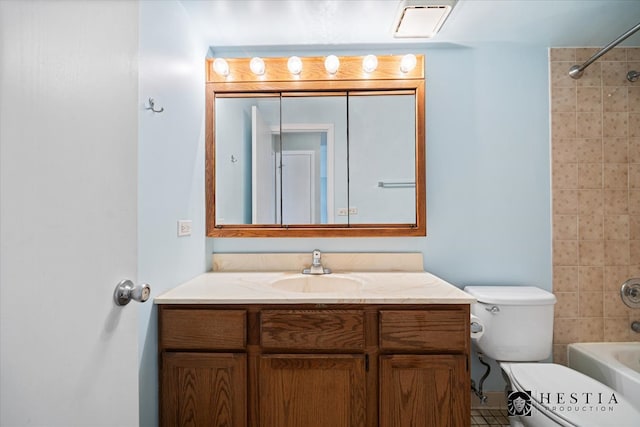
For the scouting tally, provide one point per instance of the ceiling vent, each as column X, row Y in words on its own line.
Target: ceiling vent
column 421, row 18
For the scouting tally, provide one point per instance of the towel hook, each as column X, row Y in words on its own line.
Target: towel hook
column 152, row 106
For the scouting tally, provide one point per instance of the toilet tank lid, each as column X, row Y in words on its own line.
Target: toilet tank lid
column 511, row 295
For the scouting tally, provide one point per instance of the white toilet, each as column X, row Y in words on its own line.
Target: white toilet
column 517, row 329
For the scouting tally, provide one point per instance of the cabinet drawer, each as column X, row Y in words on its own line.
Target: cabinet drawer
column 312, row 329
column 199, row 329
column 424, row 330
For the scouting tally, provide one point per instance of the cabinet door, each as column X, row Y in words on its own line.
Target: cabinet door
column 312, row 391
column 204, row 389
column 424, row 390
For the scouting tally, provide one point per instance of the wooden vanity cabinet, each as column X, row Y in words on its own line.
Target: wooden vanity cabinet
column 314, row 365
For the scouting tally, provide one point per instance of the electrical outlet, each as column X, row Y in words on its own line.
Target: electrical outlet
column 353, row 211
column 343, row 211
column 184, row 227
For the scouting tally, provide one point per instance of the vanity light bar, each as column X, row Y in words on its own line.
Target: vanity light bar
column 332, row 67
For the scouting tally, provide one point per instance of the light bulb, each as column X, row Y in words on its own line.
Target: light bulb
column 408, row 63
column 294, row 64
column 257, row 66
column 221, row 67
column 331, row 64
column 370, row 63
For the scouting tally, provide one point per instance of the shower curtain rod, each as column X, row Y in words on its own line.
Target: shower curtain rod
column 577, row 70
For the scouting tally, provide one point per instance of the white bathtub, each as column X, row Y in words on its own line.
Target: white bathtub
column 616, row 364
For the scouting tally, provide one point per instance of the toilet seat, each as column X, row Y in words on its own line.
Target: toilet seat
column 570, row 398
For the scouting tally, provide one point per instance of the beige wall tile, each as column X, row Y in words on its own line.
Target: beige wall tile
column 565, row 252
column 565, row 331
column 560, row 354
column 615, row 99
column 591, row 304
column 590, row 227
column 588, row 125
column 567, row 304
column 589, row 150
column 614, row 73
column 590, row 175
column 585, row 53
column 565, row 151
column 565, row 175
column 634, row 150
column 564, row 99
column 634, row 202
column 590, row 279
column 590, row 329
column 615, row 124
column 616, row 227
column 634, row 227
column 633, row 54
column 634, row 175
column 565, row 278
column 563, row 125
column 615, row 175
column 634, row 99
column 617, row 329
column 562, row 54
column 591, row 252
column 634, row 252
column 560, row 74
column 616, row 202
column 613, row 305
column 616, row 252
column 634, row 125
column 590, row 202
column 615, row 150
column 565, row 227
column 586, row 100
column 565, row 202
column 614, row 276
column 616, row 54
column 592, row 76
column 634, row 271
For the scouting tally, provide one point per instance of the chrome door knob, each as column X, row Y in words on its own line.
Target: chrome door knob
column 127, row 291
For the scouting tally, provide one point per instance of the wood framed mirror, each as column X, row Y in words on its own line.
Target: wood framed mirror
column 313, row 153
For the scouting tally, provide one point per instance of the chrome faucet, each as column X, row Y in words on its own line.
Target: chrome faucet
column 316, row 265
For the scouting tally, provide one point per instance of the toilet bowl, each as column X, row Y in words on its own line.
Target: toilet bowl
column 517, row 329
column 560, row 396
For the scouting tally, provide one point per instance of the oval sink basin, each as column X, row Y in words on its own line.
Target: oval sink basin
column 317, row 284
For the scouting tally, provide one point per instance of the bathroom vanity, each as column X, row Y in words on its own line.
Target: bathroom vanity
column 276, row 350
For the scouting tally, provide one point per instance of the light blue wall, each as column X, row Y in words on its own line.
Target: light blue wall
column 488, row 184
column 171, row 172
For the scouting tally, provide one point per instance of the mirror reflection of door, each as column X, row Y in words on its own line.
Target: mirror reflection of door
column 263, row 171
column 303, row 175
column 299, row 187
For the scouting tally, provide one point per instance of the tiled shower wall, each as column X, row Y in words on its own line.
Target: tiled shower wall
column 596, row 195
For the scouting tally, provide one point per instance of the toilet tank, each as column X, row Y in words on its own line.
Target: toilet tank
column 517, row 322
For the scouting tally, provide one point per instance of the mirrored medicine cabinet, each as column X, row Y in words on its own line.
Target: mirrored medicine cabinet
column 311, row 153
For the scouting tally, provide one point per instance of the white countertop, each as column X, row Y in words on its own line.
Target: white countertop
column 369, row 288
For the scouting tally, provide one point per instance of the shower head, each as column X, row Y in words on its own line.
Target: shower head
column 632, row 76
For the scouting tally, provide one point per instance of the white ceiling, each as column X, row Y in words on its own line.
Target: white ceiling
column 229, row 23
